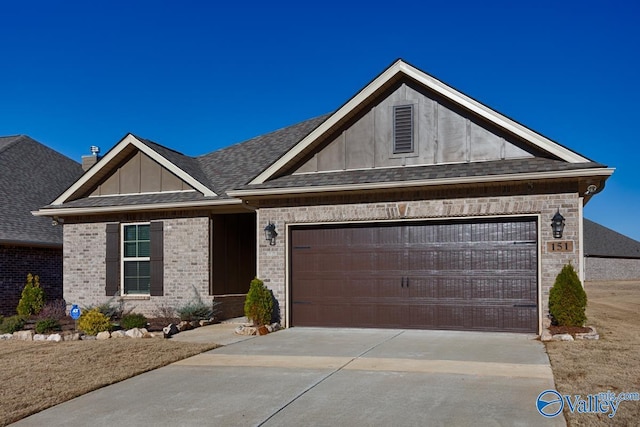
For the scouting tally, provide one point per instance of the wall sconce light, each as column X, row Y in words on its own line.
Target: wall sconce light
column 557, row 224
column 270, row 233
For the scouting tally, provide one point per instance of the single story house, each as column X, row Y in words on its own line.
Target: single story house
column 410, row 206
column 609, row 255
column 31, row 175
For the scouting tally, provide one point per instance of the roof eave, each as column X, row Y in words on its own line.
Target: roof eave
column 62, row 211
column 576, row 173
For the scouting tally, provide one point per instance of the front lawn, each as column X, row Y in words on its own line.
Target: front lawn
column 609, row 364
column 38, row 375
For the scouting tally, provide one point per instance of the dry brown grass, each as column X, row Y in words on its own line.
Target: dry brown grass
column 611, row 363
column 38, row 375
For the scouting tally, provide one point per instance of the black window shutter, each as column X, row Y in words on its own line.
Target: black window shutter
column 157, row 261
column 112, row 260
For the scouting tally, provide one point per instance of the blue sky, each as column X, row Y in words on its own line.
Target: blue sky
column 195, row 76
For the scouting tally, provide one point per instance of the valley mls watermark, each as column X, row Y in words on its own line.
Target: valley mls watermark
column 550, row 403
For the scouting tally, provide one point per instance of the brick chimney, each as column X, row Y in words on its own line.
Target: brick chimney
column 88, row 161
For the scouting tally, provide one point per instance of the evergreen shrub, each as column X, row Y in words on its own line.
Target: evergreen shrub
column 567, row 299
column 258, row 305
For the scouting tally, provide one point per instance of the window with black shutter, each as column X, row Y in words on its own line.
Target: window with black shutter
column 134, row 259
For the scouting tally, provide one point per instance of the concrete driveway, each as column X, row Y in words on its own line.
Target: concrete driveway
column 331, row 377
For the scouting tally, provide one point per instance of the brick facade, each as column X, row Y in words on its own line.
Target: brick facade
column 18, row 261
column 272, row 260
column 598, row 269
column 186, row 264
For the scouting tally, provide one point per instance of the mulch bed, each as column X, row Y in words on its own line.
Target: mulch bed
column 572, row 330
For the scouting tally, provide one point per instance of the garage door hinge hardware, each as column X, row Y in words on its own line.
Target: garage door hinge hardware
column 404, row 281
column 524, row 242
column 302, row 247
column 525, row 305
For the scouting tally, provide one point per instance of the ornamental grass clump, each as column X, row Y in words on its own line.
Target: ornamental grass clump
column 32, row 299
column 567, row 299
column 258, row 306
column 197, row 309
column 93, row 321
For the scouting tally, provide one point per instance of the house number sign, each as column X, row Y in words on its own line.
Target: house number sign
column 560, row 246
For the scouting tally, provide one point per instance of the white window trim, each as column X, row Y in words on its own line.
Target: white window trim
column 123, row 258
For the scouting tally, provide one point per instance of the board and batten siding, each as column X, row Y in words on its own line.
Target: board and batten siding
column 441, row 135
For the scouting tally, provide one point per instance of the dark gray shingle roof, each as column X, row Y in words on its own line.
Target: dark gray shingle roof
column 31, row 175
column 432, row 172
column 136, row 199
column 600, row 241
column 234, row 166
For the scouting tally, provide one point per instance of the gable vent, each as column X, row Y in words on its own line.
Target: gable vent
column 403, row 129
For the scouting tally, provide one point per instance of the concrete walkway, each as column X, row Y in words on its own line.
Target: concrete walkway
column 330, row 377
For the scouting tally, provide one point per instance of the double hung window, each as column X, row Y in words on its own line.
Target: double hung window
column 136, row 259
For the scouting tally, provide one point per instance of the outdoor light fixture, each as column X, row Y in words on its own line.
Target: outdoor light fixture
column 270, row 233
column 557, row 224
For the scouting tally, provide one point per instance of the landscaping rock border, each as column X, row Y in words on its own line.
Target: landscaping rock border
column 547, row 336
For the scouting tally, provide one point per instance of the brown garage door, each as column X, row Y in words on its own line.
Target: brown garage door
column 479, row 275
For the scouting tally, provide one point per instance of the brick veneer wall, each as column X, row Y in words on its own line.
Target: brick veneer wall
column 598, row 269
column 18, row 261
column 272, row 259
column 186, row 264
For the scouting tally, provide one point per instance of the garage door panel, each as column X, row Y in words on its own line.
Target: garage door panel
column 461, row 275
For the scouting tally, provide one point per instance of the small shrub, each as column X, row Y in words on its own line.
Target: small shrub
column 32, row 299
column 196, row 309
column 12, row 324
column 93, row 321
column 567, row 299
column 45, row 326
column 113, row 308
column 56, row 309
column 133, row 320
column 258, row 306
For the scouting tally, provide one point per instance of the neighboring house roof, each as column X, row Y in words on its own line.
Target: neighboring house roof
column 31, row 175
column 602, row 242
column 264, row 165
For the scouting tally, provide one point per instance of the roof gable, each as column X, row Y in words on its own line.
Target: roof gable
column 170, row 160
column 386, row 81
column 438, row 133
column 139, row 174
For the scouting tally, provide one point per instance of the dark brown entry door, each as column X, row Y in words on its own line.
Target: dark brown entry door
column 479, row 275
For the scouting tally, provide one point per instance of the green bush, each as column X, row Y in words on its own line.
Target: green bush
column 93, row 321
column 133, row 320
column 196, row 309
column 12, row 324
column 32, row 299
column 47, row 325
column 258, row 306
column 567, row 299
